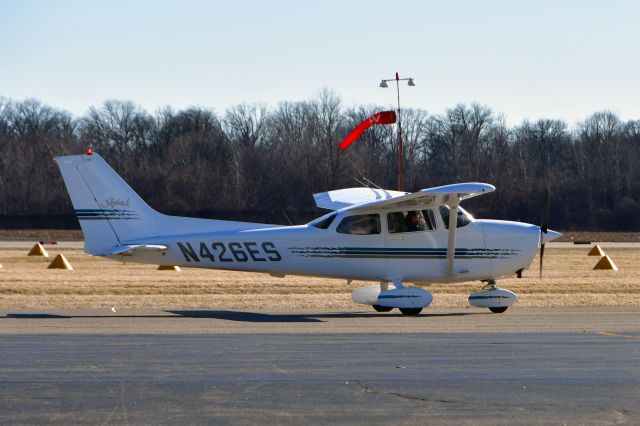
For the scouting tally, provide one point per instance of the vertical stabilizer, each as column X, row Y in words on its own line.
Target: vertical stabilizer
column 108, row 210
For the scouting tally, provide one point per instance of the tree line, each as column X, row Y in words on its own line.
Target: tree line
column 254, row 162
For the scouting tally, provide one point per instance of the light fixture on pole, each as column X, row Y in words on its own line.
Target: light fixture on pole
column 384, row 84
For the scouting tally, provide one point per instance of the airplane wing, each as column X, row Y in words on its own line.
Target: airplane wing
column 129, row 248
column 447, row 194
column 341, row 198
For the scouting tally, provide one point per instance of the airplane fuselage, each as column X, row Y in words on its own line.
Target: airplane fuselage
column 485, row 249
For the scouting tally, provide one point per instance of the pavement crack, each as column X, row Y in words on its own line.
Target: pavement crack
column 368, row 389
column 611, row 334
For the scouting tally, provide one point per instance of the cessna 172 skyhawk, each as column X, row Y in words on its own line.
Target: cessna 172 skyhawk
column 370, row 234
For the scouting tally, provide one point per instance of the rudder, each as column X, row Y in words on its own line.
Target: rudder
column 108, row 210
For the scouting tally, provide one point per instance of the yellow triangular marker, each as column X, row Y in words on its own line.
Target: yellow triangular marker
column 605, row 262
column 60, row 262
column 596, row 251
column 38, row 250
column 169, row 268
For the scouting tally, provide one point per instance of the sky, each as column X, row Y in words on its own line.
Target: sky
column 525, row 60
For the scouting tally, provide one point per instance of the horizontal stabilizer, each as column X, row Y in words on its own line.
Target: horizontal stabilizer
column 122, row 249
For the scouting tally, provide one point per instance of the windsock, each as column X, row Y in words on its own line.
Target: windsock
column 384, row 117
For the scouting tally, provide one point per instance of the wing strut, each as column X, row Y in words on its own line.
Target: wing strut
column 453, row 222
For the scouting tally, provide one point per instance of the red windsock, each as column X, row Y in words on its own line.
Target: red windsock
column 384, row 117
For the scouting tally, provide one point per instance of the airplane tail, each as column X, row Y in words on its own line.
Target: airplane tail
column 108, row 210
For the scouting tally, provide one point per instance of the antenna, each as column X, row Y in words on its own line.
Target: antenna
column 366, row 181
column 289, row 220
column 371, row 182
column 361, row 182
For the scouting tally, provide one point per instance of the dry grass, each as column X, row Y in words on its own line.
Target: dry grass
column 25, row 282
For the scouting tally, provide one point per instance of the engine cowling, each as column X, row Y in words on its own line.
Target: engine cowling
column 496, row 298
column 406, row 297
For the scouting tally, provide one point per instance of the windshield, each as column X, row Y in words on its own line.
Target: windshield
column 323, row 222
column 464, row 218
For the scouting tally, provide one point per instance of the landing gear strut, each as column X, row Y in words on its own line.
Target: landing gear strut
column 490, row 285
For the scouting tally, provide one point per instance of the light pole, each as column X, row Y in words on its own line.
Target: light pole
column 383, row 84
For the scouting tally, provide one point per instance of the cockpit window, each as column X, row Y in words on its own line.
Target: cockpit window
column 324, row 222
column 411, row 221
column 362, row 224
column 464, row 218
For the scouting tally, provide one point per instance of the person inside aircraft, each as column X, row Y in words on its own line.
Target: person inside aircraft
column 415, row 221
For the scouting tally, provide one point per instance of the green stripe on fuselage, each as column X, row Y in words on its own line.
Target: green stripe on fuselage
column 400, row 252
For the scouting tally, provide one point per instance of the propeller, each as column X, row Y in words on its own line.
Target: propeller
column 544, row 225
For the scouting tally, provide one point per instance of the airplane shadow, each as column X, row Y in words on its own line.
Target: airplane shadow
column 56, row 316
column 264, row 317
column 246, row 316
column 35, row 316
column 240, row 316
column 223, row 315
column 394, row 315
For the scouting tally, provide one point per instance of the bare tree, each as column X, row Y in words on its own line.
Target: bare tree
column 258, row 160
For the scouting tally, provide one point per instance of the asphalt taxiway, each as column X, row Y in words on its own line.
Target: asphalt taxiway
column 573, row 366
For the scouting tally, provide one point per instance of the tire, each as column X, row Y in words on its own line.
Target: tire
column 379, row 308
column 411, row 311
column 499, row 310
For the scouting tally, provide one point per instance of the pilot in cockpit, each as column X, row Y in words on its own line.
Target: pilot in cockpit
column 415, row 221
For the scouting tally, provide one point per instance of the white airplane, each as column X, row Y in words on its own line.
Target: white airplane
column 370, row 234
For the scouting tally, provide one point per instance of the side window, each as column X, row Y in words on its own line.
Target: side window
column 362, row 224
column 411, row 221
column 430, row 219
column 463, row 217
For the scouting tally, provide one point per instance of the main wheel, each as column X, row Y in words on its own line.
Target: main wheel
column 498, row 310
column 382, row 308
column 411, row 311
